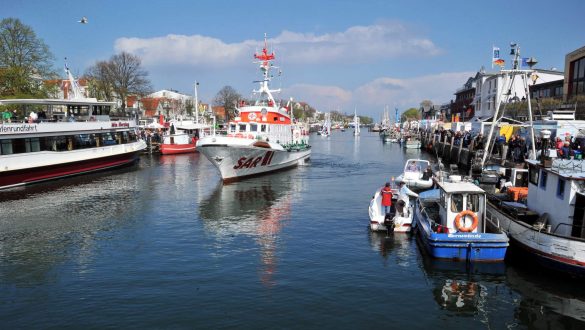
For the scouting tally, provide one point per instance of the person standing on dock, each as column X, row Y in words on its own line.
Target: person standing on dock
column 386, row 193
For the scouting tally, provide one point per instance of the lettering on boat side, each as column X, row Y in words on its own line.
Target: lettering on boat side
column 120, row 124
column 18, row 129
column 252, row 162
column 464, row 236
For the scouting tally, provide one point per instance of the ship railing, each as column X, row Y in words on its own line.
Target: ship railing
column 572, row 226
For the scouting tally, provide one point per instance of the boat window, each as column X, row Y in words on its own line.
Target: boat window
column 443, row 201
column 473, row 202
column 232, row 128
column 543, row 177
column 533, row 174
column 561, row 189
column 253, row 127
column 456, row 203
column 6, row 147
column 242, row 127
column 32, row 144
column 262, row 128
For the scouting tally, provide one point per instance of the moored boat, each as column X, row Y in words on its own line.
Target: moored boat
column 66, row 137
column 451, row 224
column 417, row 174
column 398, row 221
column 546, row 221
column 263, row 137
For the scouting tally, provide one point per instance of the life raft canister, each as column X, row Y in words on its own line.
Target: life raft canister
column 460, row 224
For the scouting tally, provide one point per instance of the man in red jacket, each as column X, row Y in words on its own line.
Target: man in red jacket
column 386, row 193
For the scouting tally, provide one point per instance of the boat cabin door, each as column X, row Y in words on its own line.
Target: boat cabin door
column 462, row 211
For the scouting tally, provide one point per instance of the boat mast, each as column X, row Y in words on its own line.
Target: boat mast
column 265, row 65
column 509, row 76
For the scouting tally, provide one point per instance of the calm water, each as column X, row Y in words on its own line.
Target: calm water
column 165, row 245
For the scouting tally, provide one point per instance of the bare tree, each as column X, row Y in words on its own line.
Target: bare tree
column 22, row 56
column 100, row 84
column 120, row 76
column 227, row 97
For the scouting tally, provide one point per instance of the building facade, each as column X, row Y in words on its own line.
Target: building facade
column 574, row 84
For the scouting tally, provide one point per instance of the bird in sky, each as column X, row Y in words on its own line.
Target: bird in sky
column 83, row 20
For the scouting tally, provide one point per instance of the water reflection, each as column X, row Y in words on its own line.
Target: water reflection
column 257, row 208
column 45, row 225
column 397, row 247
column 546, row 305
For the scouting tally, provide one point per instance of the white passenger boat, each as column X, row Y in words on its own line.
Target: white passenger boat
column 263, row 137
column 66, row 137
column 398, row 221
column 417, row 174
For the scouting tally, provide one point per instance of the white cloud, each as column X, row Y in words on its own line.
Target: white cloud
column 325, row 98
column 356, row 44
column 372, row 97
column 173, row 50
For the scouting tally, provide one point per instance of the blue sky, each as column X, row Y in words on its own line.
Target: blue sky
column 335, row 55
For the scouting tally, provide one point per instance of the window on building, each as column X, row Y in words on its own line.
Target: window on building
column 242, row 127
column 543, row 177
column 561, row 189
column 253, row 127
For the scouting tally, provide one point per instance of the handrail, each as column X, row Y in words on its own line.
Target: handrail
column 566, row 224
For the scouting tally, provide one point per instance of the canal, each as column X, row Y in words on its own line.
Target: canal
column 164, row 244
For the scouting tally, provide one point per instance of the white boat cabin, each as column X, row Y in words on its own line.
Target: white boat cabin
column 266, row 123
column 560, row 187
column 457, row 199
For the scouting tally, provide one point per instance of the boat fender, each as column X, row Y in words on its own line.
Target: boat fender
column 460, row 226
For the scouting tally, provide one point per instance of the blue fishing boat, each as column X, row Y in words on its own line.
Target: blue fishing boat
column 450, row 223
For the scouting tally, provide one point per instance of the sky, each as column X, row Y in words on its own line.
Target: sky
column 361, row 55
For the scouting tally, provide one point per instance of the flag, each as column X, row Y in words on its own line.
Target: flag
column 499, row 62
column 525, row 62
column 495, row 55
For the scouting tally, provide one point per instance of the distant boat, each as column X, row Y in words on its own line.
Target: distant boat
column 356, row 124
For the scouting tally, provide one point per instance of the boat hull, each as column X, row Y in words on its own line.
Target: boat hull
column 172, row 149
column 415, row 183
column 242, row 159
column 557, row 253
column 469, row 247
column 64, row 168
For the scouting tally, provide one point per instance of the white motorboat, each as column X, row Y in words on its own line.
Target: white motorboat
column 263, row 137
column 417, row 174
column 398, row 221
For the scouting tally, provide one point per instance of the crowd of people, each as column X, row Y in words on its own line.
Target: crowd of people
column 516, row 148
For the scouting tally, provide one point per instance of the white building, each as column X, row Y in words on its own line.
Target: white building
column 490, row 90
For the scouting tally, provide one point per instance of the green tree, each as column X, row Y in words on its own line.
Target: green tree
column 410, row 114
column 25, row 60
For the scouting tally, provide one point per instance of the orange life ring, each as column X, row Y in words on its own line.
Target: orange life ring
column 462, row 215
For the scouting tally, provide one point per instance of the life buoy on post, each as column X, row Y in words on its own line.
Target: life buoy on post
column 460, row 225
